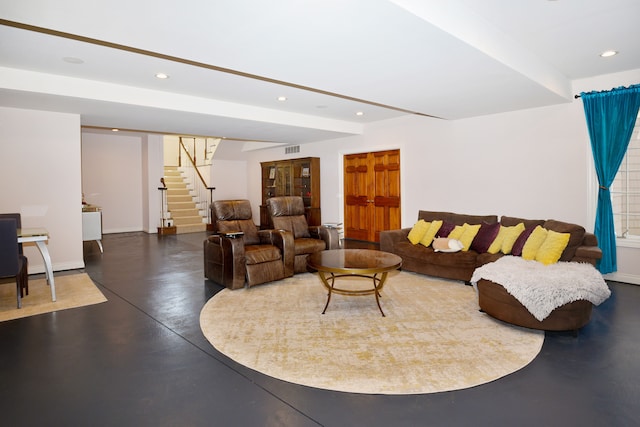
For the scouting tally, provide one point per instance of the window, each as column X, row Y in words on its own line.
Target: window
column 625, row 191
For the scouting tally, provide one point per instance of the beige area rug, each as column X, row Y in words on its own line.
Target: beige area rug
column 432, row 339
column 75, row 290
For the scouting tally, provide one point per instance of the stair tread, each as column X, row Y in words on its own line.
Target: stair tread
column 185, row 213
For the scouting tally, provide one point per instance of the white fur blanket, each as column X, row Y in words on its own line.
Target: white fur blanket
column 543, row 288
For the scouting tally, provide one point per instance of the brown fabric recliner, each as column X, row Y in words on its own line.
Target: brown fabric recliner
column 287, row 213
column 256, row 257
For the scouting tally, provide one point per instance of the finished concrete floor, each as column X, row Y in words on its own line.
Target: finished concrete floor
column 140, row 359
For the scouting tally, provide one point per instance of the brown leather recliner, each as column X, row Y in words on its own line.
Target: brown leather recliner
column 287, row 213
column 258, row 256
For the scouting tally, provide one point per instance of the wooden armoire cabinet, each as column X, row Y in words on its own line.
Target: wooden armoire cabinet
column 292, row 177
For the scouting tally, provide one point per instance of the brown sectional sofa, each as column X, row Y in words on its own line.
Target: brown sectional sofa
column 493, row 298
column 582, row 247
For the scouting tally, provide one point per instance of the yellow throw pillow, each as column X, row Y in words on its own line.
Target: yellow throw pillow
column 552, row 247
column 456, row 232
column 431, row 233
column 468, row 234
column 495, row 246
column 511, row 235
column 418, row 231
column 533, row 243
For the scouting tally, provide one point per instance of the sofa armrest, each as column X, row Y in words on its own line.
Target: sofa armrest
column 590, row 254
column 329, row 235
column 283, row 240
column 224, row 261
column 588, row 251
column 589, row 239
column 389, row 238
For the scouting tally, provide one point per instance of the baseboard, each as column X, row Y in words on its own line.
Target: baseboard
column 623, row 277
column 122, row 230
column 38, row 268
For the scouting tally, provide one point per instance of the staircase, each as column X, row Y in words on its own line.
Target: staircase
column 181, row 205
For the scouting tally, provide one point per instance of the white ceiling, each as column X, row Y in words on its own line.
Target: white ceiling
column 228, row 61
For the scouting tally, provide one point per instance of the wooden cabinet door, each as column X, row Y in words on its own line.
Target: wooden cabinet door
column 371, row 194
column 292, row 177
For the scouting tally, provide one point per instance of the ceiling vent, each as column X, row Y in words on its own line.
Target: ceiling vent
column 292, row 149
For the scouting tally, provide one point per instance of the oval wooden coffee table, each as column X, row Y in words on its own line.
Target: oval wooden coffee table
column 366, row 263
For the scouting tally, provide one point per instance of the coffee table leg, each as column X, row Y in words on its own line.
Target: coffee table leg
column 326, row 285
column 377, row 285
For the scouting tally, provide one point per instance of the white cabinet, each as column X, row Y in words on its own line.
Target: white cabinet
column 92, row 226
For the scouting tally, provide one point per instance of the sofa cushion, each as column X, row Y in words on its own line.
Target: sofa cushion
column 457, row 219
column 521, row 240
column 418, row 231
column 445, row 229
column 247, row 226
column 406, row 250
column 505, row 239
column 462, row 259
column 456, row 232
column 511, row 235
column 295, row 223
column 309, row 245
column 257, row 254
column 469, row 233
column 533, row 243
column 508, row 221
column 487, row 257
column 495, row 246
column 552, row 247
column 485, row 237
column 431, row 233
column 576, row 232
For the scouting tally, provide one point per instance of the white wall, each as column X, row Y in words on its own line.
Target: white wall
column 40, row 177
column 529, row 163
column 229, row 177
column 532, row 163
column 121, row 173
column 112, row 179
column 152, row 171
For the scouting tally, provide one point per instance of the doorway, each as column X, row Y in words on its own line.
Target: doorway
column 371, row 194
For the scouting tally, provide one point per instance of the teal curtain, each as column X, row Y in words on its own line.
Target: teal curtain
column 611, row 116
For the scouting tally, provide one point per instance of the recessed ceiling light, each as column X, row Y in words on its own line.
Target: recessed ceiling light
column 72, row 60
column 282, row 98
column 360, row 113
column 115, row 130
column 162, row 76
column 608, row 53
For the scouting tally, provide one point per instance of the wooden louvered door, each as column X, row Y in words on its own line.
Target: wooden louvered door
column 371, row 194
